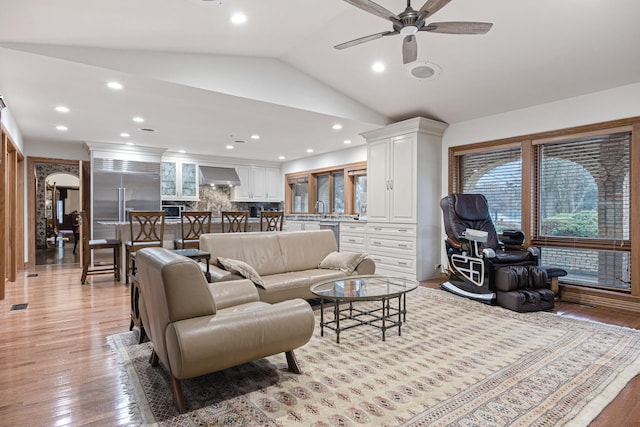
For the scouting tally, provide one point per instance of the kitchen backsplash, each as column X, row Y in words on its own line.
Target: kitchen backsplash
column 219, row 199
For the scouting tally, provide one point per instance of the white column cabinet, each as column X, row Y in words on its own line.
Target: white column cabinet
column 391, row 179
column 275, row 185
column 402, row 233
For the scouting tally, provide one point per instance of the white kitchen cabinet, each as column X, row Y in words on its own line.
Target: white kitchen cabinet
column 258, row 184
column 179, row 181
column 300, row 225
column 274, row 184
column 353, row 236
column 391, row 179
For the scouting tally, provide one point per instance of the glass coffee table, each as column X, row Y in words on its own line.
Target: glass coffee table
column 350, row 290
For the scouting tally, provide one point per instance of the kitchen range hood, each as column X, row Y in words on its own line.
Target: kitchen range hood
column 212, row 175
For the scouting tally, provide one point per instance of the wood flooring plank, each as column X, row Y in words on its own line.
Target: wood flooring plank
column 58, row 368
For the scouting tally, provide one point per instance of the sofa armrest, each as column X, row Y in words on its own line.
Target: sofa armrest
column 235, row 292
column 210, row 343
column 366, row 266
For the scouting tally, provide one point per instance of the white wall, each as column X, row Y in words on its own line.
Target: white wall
column 335, row 158
column 68, row 151
column 11, row 126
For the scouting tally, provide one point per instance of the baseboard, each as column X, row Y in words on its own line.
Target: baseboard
column 599, row 298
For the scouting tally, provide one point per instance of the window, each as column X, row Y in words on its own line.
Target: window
column 338, row 190
column 299, row 190
column 584, row 201
column 497, row 175
column 570, row 191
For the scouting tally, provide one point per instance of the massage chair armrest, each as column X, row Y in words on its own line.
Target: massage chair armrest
column 454, row 243
column 207, row 344
column 231, row 293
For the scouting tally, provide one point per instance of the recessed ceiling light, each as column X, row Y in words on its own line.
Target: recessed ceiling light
column 182, row 151
column 423, row 70
column 62, row 127
column 125, row 135
column 114, row 85
column 229, row 147
column 255, row 136
column 378, row 67
column 347, row 141
column 309, row 150
column 281, row 157
column 238, row 18
column 62, row 109
column 138, row 119
column 337, row 126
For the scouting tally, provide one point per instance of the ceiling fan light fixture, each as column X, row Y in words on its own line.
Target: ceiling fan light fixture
column 422, row 70
column 408, row 30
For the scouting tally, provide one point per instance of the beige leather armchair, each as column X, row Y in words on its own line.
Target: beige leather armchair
column 197, row 328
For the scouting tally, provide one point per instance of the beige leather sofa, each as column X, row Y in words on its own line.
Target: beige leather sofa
column 287, row 263
column 197, row 328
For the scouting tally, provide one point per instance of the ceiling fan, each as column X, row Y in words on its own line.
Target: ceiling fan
column 410, row 21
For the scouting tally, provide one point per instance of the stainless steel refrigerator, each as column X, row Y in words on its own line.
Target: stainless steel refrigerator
column 118, row 187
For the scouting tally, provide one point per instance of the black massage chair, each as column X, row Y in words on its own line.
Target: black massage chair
column 489, row 270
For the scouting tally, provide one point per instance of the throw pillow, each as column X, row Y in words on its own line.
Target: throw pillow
column 242, row 268
column 343, row 261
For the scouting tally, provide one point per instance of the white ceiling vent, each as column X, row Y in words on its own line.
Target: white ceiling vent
column 422, row 70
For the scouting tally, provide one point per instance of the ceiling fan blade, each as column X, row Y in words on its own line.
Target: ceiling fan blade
column 375, row 9
column 431, row 7
column 409, row 49
column 365, row 39
column 458, row 27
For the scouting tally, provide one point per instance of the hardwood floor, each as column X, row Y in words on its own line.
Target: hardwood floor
column 59, row 370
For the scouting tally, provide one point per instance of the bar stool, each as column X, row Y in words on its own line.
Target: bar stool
column 234, row 221
column 149, row 233
column 193, row 224
column 271, row 221
column 89, row 245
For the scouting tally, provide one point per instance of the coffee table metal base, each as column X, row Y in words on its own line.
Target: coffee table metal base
column 348, row 316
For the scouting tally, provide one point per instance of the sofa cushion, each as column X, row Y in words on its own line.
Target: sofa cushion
column 343, row 261
column 242, row 268
column 303, row 250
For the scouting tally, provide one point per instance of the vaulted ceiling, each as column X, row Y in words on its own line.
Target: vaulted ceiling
column 204, row 83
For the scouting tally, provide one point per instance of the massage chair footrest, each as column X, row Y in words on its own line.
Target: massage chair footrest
column 523, row 288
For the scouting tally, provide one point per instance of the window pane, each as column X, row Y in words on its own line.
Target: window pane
column 585, row 266
column 360, row 183
column 300, row 193
column 322, row 193
column 498, row 176
column 584, row 188
column 338, row 192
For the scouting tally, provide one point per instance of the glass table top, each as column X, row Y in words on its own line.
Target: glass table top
column 363, row 287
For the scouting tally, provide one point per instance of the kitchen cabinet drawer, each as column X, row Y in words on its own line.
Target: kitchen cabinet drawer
column 407, row 246
column 353, row 227
column 352, row 240
column 385, row 262
column 374, row 229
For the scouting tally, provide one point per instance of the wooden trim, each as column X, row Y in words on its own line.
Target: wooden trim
column 527, row 191
column 484, row 147
column 595, row 244
column 635, row 210
column 4, row 204
column 561, row 138
column 31, row 209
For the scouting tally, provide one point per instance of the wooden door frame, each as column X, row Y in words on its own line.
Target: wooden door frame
column 31, row 199
column 12, row 210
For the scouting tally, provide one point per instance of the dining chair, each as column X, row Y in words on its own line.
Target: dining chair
column 146, row 230
column 88, row 245
column 234, row 221
column 193, row 224
column 271, row 220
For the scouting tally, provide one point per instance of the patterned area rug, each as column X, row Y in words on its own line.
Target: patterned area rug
column 457, row 363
